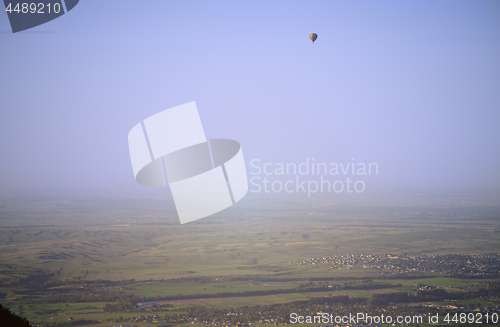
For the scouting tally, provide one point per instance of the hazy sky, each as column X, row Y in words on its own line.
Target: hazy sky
column 412, row 86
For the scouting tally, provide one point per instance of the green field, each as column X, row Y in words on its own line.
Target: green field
column 77, row 242
column 448, row 282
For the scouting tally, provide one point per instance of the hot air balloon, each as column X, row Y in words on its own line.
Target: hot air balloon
column 313, row 37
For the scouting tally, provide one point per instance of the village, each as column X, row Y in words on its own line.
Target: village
column 455, row 264
column 247, row 317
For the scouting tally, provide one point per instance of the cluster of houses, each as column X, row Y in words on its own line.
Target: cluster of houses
column 488, row 308
column 467, row 264
column 145, row 305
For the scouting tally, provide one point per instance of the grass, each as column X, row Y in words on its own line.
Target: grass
column 448, row 282
column 118, row 239
column 166, row 289
column 468, row 302
column 61, row 312
column 232, row 249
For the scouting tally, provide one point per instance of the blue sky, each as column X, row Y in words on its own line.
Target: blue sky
column 412, row 86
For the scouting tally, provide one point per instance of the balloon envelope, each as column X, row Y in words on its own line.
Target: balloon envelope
column 313, row 36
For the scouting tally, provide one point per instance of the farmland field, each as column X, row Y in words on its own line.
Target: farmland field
column 134, row 247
